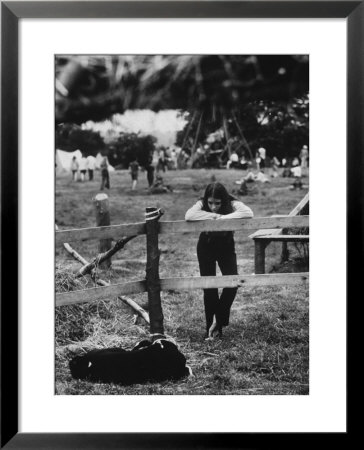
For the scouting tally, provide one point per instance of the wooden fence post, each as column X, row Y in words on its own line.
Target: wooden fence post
column 285, row 252
column 259, row 256
column 152, row 273
column 101, row 202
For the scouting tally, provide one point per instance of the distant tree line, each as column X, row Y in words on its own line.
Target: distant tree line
column 120, row 150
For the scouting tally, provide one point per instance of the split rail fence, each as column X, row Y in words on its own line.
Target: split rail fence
column 262, row 238
column 153, row 284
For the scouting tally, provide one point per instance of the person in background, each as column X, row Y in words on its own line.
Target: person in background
column 295, row 162
column 74, row 168
column 233, row 161
column 105, row 177
column 91, row 166
column 150, row 174
column 296, row 171
column 159, row 187
column 304, row 159
column 184, row 158
column 134, row 171
column 275, row 166
column 173, row 159
column 198, row 158
column 161, row 165
column 261, row 155
column 244, row 163
column 83, row 167
column 217, row 247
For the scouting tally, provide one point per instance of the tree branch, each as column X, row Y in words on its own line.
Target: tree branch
column 87, row 268
column 128, row 301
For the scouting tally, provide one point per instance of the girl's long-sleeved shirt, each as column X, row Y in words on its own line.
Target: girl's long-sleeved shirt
column 240, row 211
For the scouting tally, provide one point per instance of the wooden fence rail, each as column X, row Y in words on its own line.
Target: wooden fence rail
column 152, row 284
column 118, row 231
column 180, row 284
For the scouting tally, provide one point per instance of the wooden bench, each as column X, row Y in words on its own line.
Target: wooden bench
column 262, row 238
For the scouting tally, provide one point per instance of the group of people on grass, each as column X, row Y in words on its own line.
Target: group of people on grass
column 155, row 183
column 262, row 161
column 81, row 166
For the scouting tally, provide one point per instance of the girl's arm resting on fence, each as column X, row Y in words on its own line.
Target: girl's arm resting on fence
column 241, row 211
column 197, row 213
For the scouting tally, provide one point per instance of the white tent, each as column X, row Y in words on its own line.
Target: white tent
column 60, row 169
column 63, row 160
column 98, row 162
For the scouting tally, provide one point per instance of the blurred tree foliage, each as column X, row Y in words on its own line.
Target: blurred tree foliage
column 121, row 150
column 260, row 99
column 71, row 137
column 281, row 128
column 129, row 146
column 94, row 88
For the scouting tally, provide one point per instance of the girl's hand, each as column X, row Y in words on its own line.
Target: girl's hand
column 216, row 216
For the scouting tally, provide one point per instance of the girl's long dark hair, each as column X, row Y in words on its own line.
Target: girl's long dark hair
column 218, row 191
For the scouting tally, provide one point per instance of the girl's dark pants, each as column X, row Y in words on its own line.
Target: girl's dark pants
column 211, row 249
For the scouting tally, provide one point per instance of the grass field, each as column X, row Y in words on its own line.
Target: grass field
column 264, row 351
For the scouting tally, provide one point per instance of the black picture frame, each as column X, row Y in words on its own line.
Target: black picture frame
column 11, row 13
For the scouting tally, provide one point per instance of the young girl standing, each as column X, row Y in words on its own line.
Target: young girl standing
column 217, row 247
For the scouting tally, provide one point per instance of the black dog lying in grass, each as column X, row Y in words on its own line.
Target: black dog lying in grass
column 146, row 362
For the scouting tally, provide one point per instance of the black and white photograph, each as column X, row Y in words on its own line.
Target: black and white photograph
column 181, row 183
column 182, row 224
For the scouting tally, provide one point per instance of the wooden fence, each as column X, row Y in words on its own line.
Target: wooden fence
column 262, row 238
column 152, row 283
column 117, row 231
